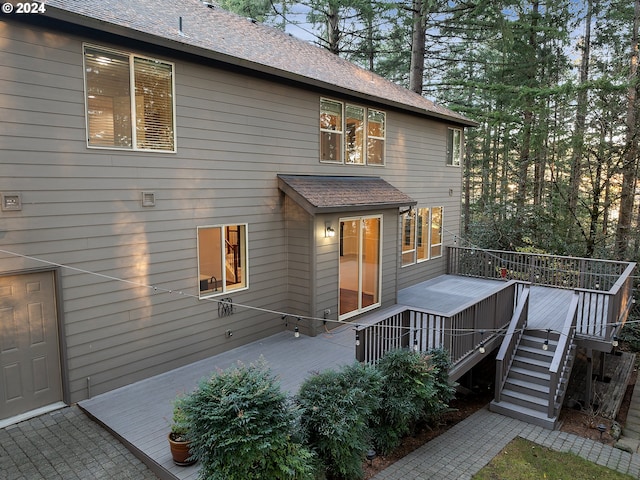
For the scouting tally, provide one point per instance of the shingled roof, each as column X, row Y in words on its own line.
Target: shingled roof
column 220, row 35
column 326, row 193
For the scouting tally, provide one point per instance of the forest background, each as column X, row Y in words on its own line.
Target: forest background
column 553, row 164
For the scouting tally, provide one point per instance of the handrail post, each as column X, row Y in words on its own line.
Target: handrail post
column 360, row 344
column 406, row 328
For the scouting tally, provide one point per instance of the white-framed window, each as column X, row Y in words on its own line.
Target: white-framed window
column 355, row 122
column 222, row 259
column 130, row 101
column 454, row 147
column 331, row 131
column 351, row 134
column 409, row 237
column 421, row 235
column 435, row 234
column 375, row 137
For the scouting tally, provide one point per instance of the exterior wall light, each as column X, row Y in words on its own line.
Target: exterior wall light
column 329, row 232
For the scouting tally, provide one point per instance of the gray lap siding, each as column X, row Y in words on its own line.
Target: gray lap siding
column 235, row 133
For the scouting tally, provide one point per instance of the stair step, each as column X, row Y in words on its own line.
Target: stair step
column 531, row 363
column 541, row 335
column 525, row 400
column 536, row 353
column 529, row 388
column 525, row 414
column 538, row 342
column 532, row 376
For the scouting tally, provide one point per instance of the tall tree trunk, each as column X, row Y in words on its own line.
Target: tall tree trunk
column 630, row 165
column 528, row 121
column 370, row 48
column 333, row 28
column 579, row 127
column 418, row 38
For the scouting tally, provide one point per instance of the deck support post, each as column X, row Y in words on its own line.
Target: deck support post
column 589, row 379
column 601, row 366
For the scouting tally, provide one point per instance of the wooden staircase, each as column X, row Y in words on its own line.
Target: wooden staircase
column 533, row 369
column 525, row 393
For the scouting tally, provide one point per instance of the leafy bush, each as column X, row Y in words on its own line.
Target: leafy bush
column 630, row 334
column 179, row 421
column 407, row 388
column 240, row 427
column 415, row 388
column 445, row 391
column 336, row 410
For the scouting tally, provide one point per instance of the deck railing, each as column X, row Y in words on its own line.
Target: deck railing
column 604, row 286
column 511, row 340
column 560, row 357
column 459, row 332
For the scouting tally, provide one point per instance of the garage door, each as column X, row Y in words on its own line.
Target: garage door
column 30, row 375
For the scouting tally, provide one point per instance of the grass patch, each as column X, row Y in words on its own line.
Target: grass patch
column 525, row 460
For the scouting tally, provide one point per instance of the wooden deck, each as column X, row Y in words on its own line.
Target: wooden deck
column 139, row 414
column 548, row 306
column 447, row 293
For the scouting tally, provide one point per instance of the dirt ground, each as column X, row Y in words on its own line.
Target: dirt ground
column 585, row 425
column 572, row 421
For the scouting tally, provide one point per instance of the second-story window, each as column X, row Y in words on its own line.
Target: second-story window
column 454, row 147
column 130, row 101
column 355, row 134
column 331, row 131
column 351, row 134
column 375, row 137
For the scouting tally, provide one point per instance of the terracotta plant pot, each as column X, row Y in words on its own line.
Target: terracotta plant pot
column 180, row 452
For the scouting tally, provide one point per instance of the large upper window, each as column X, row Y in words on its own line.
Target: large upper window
column 130, row 101
column 351, row 134
column 222, row 259
column 454, row 147
column 421, row 235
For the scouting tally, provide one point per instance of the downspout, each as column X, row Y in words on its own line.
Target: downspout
column 313, row 261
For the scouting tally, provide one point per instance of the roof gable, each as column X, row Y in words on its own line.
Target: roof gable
column 192, row 26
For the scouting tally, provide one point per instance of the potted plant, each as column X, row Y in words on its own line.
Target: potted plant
column 178, row 437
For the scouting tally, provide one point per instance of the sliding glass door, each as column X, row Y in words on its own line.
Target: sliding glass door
column 360, row 247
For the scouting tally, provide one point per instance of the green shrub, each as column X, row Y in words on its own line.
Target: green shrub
column 179, row 420
column 407, row 389
column 445, row 391
column 630, row 334
column 240, row 427
column 415, row 388
column 337, row 407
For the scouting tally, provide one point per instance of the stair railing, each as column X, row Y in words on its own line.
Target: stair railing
column 511, row 340
column 561, row 354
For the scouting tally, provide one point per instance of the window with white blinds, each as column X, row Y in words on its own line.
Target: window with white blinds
column 130, row 101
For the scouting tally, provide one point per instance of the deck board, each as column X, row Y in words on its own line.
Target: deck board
column 447, row 293
column 140, row 414
column 548, row 307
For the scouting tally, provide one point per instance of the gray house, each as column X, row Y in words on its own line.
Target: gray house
column 176, row 179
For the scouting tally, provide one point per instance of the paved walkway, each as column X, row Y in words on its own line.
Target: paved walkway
column 463, row 450
column 630, row 439
column 65, row 445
